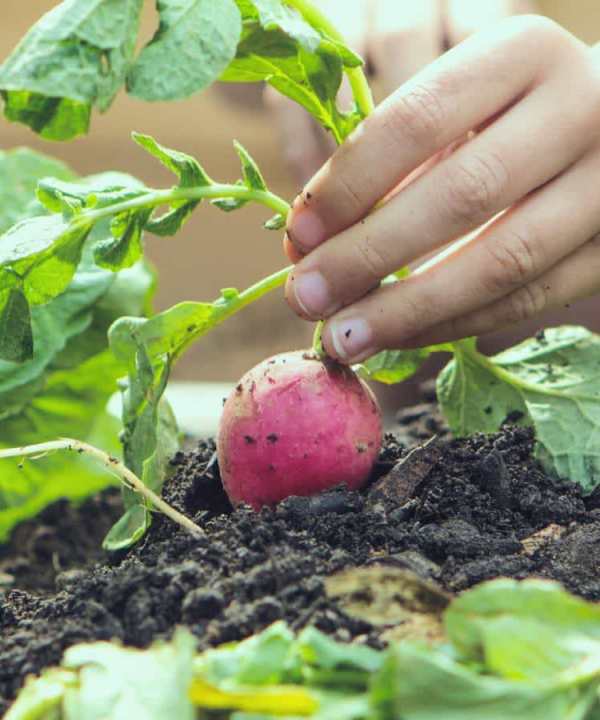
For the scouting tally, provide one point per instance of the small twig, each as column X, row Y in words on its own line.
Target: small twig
column 115, row 466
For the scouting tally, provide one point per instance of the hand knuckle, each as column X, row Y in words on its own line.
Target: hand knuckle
column 372, row 260
column 512, row 261
column 528, row 301
column 474, row 188
column 417, row 115
column 538, row 28
column 416, row 318
column 349, row 193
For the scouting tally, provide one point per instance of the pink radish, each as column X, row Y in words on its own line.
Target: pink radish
column 297, row 425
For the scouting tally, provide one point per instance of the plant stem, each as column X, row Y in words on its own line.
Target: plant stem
column 230, row 306
column 466, row 348
column 317, row 343
column 154, row 198
column 358, row 80
column 115, row 466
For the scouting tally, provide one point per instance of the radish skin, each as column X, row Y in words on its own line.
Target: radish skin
column 297, row 425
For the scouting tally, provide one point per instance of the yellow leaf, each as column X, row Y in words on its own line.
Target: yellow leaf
column 277, row 700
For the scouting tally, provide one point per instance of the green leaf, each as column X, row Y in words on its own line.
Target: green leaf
column 43, row 252
column 247, row 10
column 274, row 14
column 484, row 622
column 20, row 171
column 471, row 396
column 118, row 683
column 423, row 683
column 125, row 247
column 187, row 169
column 75, row 57
column 253, row 178
column 106, row 680
column 95, row 191
column 56, row 324
column 259, row 660
column 550, row 382
column 150, row 436
column 68, row 403
column 277, row 222
column 167, row 333
column 64, row 387
column 41, row 698
column 38, row 259
column 395, row 366
column 319, row 651
column 311, row 76
column 190, row 174
column 195, row 42
column 15, row 326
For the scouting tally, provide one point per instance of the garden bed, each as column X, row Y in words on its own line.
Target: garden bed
column 455, row 512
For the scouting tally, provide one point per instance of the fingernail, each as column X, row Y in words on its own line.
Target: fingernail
column 306, row 230
column 312, row 294
column 352, row 339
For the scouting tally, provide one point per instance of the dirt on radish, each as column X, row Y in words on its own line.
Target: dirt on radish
column 455, row 512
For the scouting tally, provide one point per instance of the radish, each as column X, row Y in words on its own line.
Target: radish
column 297, row 425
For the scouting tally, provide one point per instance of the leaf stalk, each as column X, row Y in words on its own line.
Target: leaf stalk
column 113, row 465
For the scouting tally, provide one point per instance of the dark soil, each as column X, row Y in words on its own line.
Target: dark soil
column 63, row 536
column 456, row 512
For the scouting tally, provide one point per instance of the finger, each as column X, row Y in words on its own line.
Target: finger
column 294, row 255
column 483, row 177
column 466, row 17
column 574, row 278
column 288, row 248
column 510, row 253
column 404, row 37
column 304, row 149
column 441, row 104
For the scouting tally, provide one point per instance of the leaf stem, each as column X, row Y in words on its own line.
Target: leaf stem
column 230, row 306
column 115, row 466
column 358, row 80
column 215, row 191
column 468, row 349
column 317, row 343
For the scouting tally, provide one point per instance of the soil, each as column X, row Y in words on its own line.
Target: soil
column 455, row 512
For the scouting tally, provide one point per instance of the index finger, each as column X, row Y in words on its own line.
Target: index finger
column 456, row 93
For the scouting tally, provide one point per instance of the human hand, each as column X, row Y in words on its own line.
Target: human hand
column 531, row 91
column 398, row 38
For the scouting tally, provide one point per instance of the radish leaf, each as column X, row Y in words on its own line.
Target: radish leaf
column 253, row 178
column 194, row 43
column 15, row 325
column 75, row 57
column 20, row 171
column 64, row 385
column 551, row 382
column 150, row 436
column 190, row 174
column 39, row 255
column 395, row 366
column 277, row 222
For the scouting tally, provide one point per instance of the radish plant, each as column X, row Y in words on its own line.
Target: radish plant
column 75, row 59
